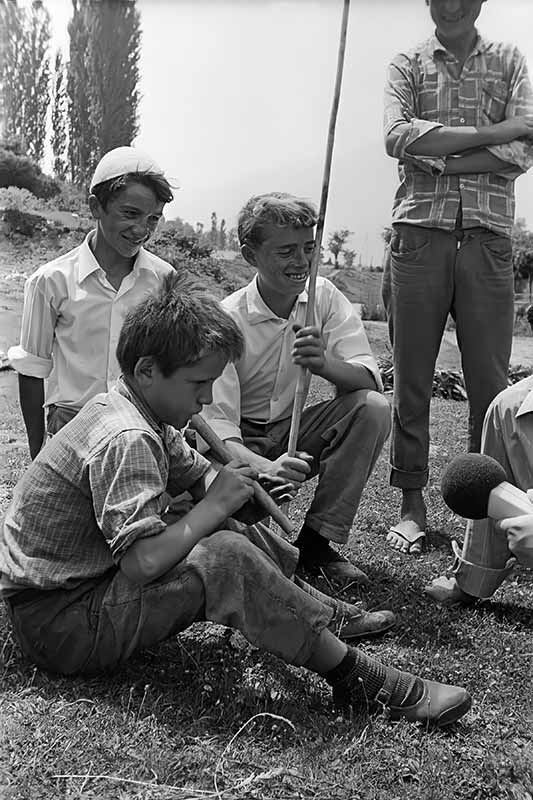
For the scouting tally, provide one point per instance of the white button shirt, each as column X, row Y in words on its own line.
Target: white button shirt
column 262, row 384
column 71, row 322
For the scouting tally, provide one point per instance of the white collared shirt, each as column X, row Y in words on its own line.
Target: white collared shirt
column 71, row 322
column 261, row 385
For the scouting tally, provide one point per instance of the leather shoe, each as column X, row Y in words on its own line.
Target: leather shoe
column 333, row 566
column 439, row 705
column 358, row 624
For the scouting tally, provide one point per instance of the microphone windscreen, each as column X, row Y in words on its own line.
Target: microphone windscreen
column 467, row 482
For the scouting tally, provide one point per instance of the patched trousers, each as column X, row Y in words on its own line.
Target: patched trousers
column 240, row 579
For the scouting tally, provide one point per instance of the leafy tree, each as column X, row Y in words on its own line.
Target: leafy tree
column 336, row 244
column 232, row 242
column 103, row 74
column 349, row 257
column 25, row 74
column 386, row 234
column 59, row 119
column 222, row 235
column 213, row 233
column 522, row 240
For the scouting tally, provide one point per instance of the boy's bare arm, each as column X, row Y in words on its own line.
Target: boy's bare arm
column 446, row 141
column 475, row 163
column 31, row 395
column 149, row 558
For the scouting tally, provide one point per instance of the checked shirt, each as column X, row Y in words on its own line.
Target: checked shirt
column 424, row 91
column 93, row 490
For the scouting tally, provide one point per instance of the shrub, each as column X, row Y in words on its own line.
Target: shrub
column 447, row 384
column 21, row 171
column 23, row 222
column 373, row 311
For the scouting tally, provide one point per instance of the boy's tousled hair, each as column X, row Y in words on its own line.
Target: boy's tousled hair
column 106, row 190
column 176, row 327
column 274, row 208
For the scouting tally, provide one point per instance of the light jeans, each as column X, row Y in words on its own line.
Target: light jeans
column 430, row 273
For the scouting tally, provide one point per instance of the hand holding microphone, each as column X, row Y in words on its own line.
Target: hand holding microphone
column 475, row 486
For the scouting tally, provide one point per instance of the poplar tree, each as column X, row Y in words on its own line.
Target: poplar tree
column 103, row 74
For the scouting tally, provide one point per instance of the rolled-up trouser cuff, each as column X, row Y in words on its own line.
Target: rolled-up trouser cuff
column 402, row 479
column 476, row 580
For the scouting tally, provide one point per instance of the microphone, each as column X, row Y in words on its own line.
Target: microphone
column 475, row 486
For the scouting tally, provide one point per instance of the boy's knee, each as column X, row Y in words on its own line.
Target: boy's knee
column 230, row 546
column 373, row 407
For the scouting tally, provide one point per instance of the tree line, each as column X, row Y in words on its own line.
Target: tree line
column 91, row 94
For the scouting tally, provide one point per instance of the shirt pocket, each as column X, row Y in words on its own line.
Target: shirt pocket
column 494, row 100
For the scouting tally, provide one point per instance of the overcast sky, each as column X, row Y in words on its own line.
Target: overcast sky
column 237, row 96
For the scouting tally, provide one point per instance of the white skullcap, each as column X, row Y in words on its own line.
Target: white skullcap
column 122, row 160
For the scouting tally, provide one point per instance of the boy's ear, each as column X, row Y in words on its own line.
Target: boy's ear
column 248, row 254
column 143, row 372
column 94, row 205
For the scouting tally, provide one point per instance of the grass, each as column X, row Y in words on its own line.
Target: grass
column 205, row 715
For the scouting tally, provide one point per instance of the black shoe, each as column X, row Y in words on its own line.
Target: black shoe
column 331, row 565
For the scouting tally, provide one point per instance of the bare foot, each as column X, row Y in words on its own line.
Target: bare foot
column 408, row 535
column 446, row 592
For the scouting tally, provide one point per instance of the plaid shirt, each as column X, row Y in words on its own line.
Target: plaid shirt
column 93, row 490
column 422, row 94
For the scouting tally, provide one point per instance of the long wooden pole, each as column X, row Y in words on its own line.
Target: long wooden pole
column 303, row 376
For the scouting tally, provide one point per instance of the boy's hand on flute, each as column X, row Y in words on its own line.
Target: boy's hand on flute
column 232, row 488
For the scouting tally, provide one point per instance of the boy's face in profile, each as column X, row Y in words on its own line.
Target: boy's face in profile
column 283, row 259
column 129, row 220
column 174, row 399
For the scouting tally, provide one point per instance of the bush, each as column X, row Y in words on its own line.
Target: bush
column 373, row 311
column 21, row 171
column 20, row 199
column 447, row 384
column 23, row 222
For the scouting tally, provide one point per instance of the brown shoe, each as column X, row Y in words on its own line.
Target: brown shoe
column 333, row 566
column 357, row 623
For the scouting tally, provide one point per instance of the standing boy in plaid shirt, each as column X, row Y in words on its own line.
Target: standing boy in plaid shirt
column 92, row 571
column 459, row 119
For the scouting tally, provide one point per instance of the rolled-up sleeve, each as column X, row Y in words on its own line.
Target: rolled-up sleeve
column 520, row 151
column 33, row 356
column 401, row 125
column 345, row 335
column 224, row 413
column 127, row 483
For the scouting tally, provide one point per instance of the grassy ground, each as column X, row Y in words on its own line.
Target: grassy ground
column 207, row 716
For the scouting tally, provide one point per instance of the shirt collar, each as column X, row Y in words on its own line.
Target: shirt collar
column 87, row 263
column 126, row 388
column 258, row 311
column 526, row 406
column 434, row 46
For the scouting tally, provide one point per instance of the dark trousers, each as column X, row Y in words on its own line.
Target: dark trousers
column 430, row 273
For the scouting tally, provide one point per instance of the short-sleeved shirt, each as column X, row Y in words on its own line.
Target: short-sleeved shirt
column 94, row 490
column 71, row 322
column 423, row 93
column 261, row 385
